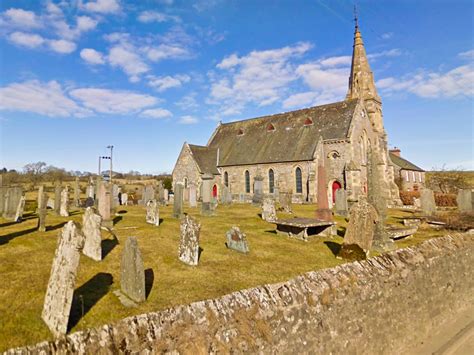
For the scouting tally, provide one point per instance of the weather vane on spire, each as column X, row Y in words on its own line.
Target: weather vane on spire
column 355, row 16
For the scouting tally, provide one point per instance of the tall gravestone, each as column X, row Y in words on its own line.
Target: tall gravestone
column 236, row 240
column 268, row 210
column 98, row 182
column 58, row 299
column 226, row 196
column 42, row 211
column 341, row 202
column 160, row 193
column 152, row 213
column 206, row 193
column 115, row 192
column 149, row 193
column 64, row 206
column 3, row 193
column 91, row 222
column 465, row 200
column 427, row 200
column 125, row 199
column 20, row 209
column 40, row 196
column 178, row 201
column 166, row 196
column 257, row 197
column 192, row 195
column 285, row 201
column 90, row 191
column 57, row 197
column 132, row 276
column 104, row 205
column 323, row 212
column 189, row 242
column 12, row 199
column 77, row 193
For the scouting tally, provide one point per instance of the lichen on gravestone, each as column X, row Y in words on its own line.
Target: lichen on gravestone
column 132, row 277
column 189, row 242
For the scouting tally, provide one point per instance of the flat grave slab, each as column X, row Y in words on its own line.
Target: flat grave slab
column 304, row 228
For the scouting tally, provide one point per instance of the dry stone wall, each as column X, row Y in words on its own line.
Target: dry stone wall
column 381, row 305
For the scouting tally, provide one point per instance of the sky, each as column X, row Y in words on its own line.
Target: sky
column 146, row 76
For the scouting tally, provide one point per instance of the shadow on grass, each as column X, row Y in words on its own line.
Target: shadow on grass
column 6, row 238
column 8, row 224
column 149, row 279
column 122, row 212
column 57, row 226
column 341, row 231
column 117, row 219
column 334, row 247
column 161, row 221
column 108, row 245
column 273, row 231
column 87, row 295
column 201, row 250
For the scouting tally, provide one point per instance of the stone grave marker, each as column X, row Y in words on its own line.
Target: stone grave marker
column 90, row 191
column 40, row 196
column 323, row 212
column 268, row 210
column 192, row 195
column 124, row 199
column 189, row 242
column 465, row 200
column 57, row 197
column 236, row 240
column 152, row 213
column 226, row 196
column 132, row 276
column 12, row 199
column 64, row 206
column 257, row 191
column 42, row 211
column 206, row 193
column 77, row 193
column 91, row 222
column 427, row 200
column 341, row 202
column 178, row 201
column 20, row 209
column 58, row 299
column 149, row 193
column 104, row 206
column 115, row 197
column 285, row 201
column 3, row 193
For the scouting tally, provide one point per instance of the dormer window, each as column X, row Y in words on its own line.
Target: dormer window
column 270, row 127
column 308, row 121
column 240, row 132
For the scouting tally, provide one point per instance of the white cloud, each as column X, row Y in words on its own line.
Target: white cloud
column 113, row 101
column 29, row 40
column 156, row 113
column 336, row 61
column 47, row 99
column 102, row 6
column 91, row 56
column 395, row 52
column 22, row 18
column 165, row 51
column 188, row 102
column 125, row 57
column 300, row 100
column 155, row 16
column 167, row 82
column 85, row 23
column 188, row 120
column 387, row 35
column 467, row 54
column 62, row 46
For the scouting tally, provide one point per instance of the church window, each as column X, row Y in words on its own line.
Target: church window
column 308, row 121
column 240, row 132
column 270, row 127
column 185, row 183
column 407, row 177
column 271, row 181
column 299, row 181
column 334, row 155
column 226, row 179
column 247, row 181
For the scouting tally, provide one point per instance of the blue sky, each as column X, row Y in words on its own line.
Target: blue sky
column 145, row 76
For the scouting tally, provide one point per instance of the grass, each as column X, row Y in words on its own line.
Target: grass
column 26, row 256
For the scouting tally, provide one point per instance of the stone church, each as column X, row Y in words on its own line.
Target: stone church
column 284, row 149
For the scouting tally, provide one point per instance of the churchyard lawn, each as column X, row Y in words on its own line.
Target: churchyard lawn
column 26, row 257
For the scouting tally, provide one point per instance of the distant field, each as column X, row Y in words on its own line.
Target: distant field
column 468, row 176
column 26, row 256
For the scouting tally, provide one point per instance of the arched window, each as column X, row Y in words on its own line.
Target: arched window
column 247, row 181
column 226, row 179
column 271, row 181
column 185, row 183
column 299, row 181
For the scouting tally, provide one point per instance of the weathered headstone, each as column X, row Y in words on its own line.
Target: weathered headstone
column 124, row 199
column 20, row 209
column 285, row 201
column 132, row 276
column 91, row 222
column 77, row 193
column 360, row 230
column 268, row 210
column 465, row 200
column 12, row 199
column 149, row 193
column 189, row 242
column 192, row 195
column 42, row 211
column 50, row 203
column 90, row 191
column 206, row 193
column 323, row 212
column 178, row 201
column 427, row 200
column 166, row 196
column 417, row 203
column 64, row 206
column 341, row 202
column 3, row 194
column 236, row 240
column 104, row 206
column 257, row 197
column 226, row 196
column 115, row 192
column 40, row 196
column 152, row 212
column 160, row 193
column 58, row 299
column 57, row 197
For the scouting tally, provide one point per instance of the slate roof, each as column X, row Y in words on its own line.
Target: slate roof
column 291, row 139
column 403, row 163
column 205, row 158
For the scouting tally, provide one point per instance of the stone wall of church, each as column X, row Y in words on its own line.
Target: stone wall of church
column 186, row 168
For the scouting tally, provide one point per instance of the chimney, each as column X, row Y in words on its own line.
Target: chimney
column 395, row 151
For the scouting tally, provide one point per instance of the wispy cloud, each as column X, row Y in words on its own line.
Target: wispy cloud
column 188, row 120
column 156, row 113
column 155, row 16
column 28, row 40
column 101, row 6
column 167, row 82
column 91, row 56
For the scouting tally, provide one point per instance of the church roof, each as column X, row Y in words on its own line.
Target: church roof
column 403, row 163
column 205, row 158
column 284, row 137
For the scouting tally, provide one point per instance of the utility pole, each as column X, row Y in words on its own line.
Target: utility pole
column 111, row 147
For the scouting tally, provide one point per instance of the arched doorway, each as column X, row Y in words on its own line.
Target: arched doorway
column 336, row 185
column 214, row 191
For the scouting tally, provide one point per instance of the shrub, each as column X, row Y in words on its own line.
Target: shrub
column 459, row 221
column 408, row 196
column 445, row 200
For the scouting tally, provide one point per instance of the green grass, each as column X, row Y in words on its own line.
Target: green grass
column 26, row 256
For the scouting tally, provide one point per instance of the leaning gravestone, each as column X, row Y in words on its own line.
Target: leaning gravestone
column 132, row 276
column 64, row 206
column 178, row 201
column 268, row 210
column 341, row 202
column 285, row 201
column 236, row 240
column 189, row 243
column 91, row 222
column 257, row 191
column 42, row 211
column 465, row 200
column 192, row 195
column 152, row 212
column 360, row 230
column 12, row 199
column 427, row 200
column 57, row 198
column 20, row 209
column 58, row 299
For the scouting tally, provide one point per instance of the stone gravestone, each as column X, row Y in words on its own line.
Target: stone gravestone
column 12, row 199
column 77, row 193
column 152, row 212
column 115, row 199
column 58, row 299
column 341, row 202
column 178, row 201
column 427, row 200
column 236, row 240
column 132, row 276
column 360, row 231
column 166, row 196
column 148, row 194
column 91, row 222
column 206, row 193
column 57, row 197
column 124, row 199
column 285, row 201
column 189, row 243
column 42, row 211
column 64, row 206
column 417, row 203
column 465, row 200
column 40, row 196
column 90, row 191
column 226, row 196
column 192, row 195
column 104, row 206
column 20, row 209
column 268, row 210
column 3, row 193
column 323, row 212
column 257, row 191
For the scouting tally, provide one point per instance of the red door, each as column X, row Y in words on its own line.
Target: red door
column 214, row 191
column 335, row 186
